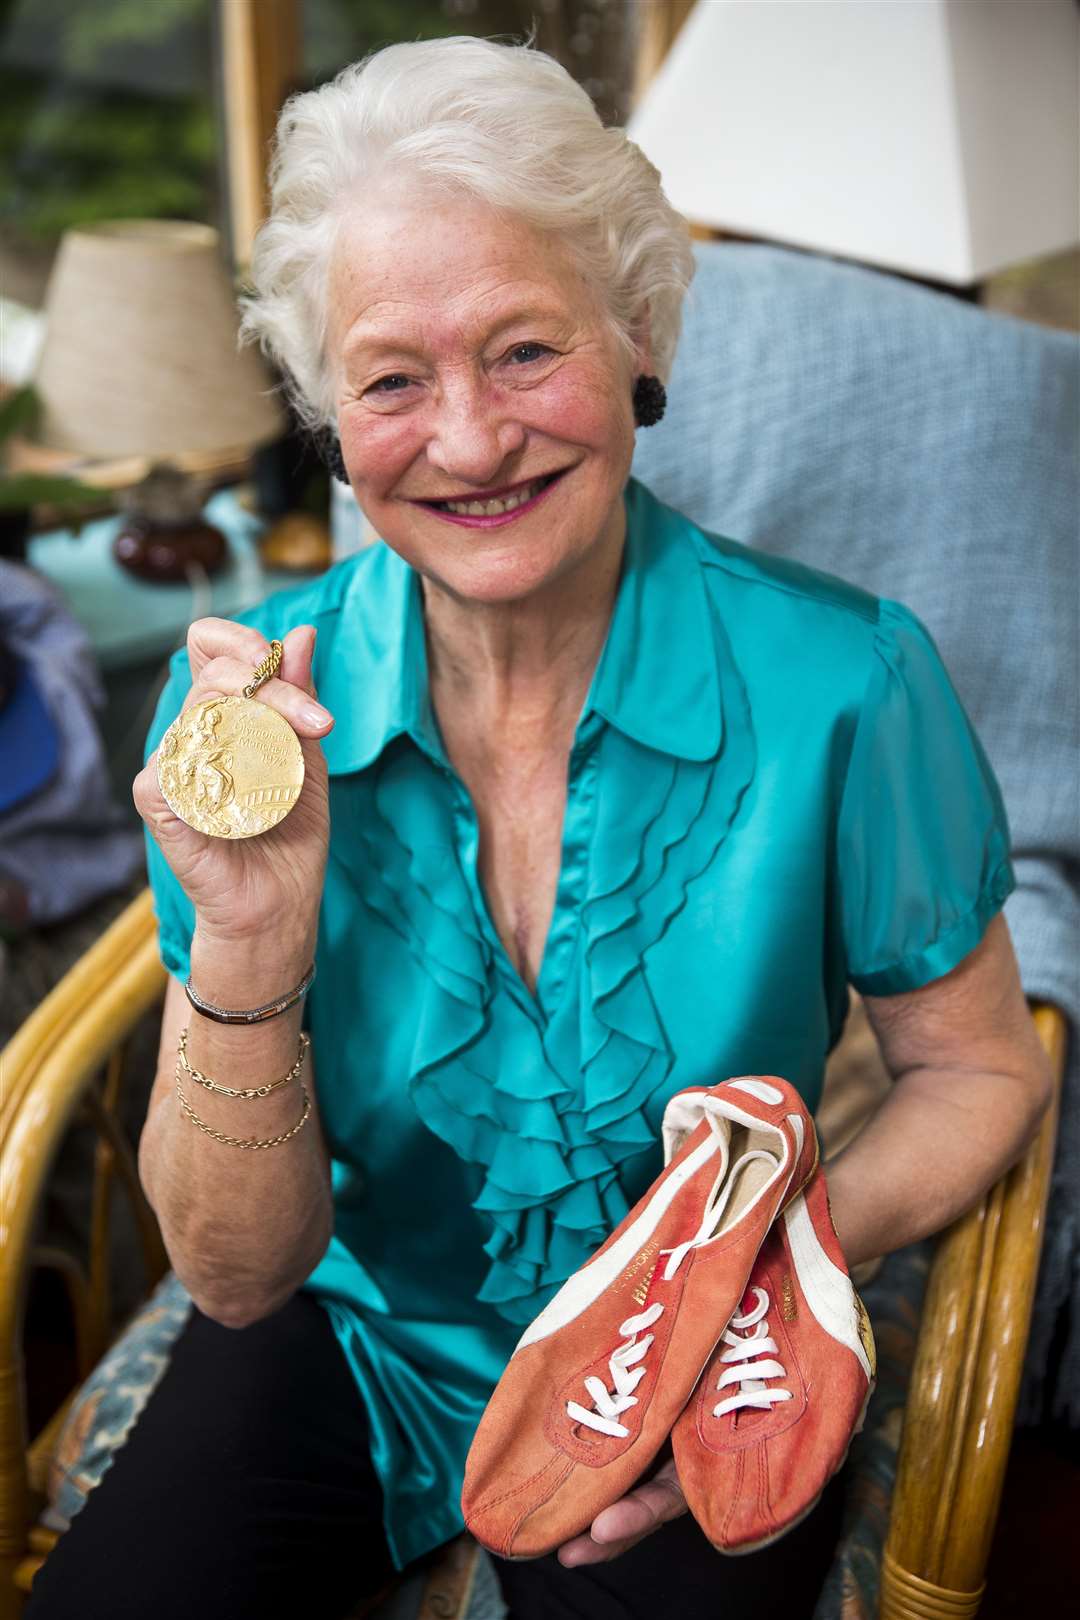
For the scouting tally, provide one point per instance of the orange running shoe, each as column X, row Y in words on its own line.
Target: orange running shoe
column 597, row 1380
column 786, row 1390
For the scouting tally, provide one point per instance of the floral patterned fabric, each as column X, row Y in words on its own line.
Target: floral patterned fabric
column 106, row 1408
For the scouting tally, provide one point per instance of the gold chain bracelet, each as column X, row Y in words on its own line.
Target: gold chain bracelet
column 247, row 1092
column 244, row 1141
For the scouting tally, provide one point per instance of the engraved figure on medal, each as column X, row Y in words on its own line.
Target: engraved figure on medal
column 230, row 766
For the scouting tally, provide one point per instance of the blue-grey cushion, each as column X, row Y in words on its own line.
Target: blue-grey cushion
column 926, row 450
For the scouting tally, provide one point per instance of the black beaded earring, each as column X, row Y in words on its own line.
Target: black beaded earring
column 650, row 401
column 328, row 445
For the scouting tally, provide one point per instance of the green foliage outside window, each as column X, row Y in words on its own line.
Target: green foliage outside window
column 337, row 32
column 593, row 39
column 105, row 112
column 107, row 107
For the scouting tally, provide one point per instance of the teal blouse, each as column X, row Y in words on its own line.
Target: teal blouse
column 773, row 792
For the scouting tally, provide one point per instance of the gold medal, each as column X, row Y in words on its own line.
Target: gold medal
column 230, row 766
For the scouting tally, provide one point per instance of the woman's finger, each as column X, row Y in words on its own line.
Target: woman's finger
column 225, row 677
column 146, row 792
column 626, row 1522
column 222, row 638
column 154, row 808
column 297, row 651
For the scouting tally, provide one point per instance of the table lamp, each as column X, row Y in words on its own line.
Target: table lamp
column 936, row 138
column 140, row 359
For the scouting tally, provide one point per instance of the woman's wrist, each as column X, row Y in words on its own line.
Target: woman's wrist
column 242, row 1054
column 244, row 976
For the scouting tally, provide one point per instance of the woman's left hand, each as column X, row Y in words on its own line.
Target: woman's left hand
column 629, row 1520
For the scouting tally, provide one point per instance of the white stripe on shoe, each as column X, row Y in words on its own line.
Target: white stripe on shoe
column 586, row 1285
column 828, row 1290
column 682, row 1116
column 760, row 1089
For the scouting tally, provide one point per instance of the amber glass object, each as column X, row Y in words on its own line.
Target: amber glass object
column 163, row 535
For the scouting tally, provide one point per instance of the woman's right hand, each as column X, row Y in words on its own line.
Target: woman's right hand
column 244, row 889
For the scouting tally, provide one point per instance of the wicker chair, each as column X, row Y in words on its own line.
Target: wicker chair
column 68, row 1058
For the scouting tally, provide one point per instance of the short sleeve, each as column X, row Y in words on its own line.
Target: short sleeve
column 174, row 911
column 923, row 838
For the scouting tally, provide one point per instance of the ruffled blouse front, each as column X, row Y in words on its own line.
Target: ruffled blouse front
column 773, row 791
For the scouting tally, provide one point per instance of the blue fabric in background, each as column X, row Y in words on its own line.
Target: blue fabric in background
column 66, row 843
column 927, row 451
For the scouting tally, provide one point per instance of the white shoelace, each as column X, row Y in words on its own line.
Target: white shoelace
column 752, row 1374
column 608, row 1405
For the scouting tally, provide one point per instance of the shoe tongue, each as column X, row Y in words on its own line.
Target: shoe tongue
column 685, row 1114
column 746, row 1179
column 749, row 1417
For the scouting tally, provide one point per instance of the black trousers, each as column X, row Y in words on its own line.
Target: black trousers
column 246, row 1492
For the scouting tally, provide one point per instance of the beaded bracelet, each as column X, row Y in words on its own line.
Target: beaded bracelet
column 257, row 1015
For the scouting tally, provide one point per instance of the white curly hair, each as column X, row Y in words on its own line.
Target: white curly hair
column 503, row 123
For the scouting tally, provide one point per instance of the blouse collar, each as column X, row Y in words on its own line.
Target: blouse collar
column 656, row 681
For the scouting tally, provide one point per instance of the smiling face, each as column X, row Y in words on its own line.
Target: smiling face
column 484, row 403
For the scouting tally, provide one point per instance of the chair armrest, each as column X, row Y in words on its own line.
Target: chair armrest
column 965, row 1382
column 99, row 1000
column 48, row 1069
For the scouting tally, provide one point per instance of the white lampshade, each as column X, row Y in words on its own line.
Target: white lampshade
column 933, row 137
column 140, row 355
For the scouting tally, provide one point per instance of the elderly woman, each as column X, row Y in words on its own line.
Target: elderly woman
column 596, row 807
